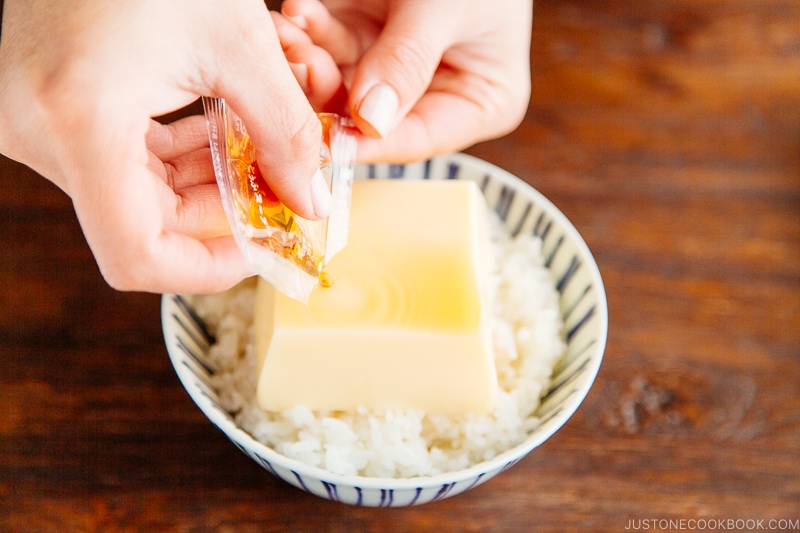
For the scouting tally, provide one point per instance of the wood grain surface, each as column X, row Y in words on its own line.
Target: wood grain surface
column 667, row 131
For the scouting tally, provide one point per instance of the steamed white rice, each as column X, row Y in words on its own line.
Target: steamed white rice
column 528, row 341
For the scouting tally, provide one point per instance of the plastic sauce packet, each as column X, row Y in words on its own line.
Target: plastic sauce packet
column 283, row 248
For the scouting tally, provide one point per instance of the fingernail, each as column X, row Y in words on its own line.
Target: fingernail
column 379, row 108
column 299, row 21
column 300, row 71
column 321, row 195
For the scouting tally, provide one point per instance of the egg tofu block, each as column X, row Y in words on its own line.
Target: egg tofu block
column 405, row 324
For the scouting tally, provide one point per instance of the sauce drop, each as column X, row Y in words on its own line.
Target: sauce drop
column 326, row 279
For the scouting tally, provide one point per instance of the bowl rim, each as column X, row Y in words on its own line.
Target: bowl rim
column 502, row 460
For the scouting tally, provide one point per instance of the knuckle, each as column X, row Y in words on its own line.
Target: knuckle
column 60, row 83
column 66, row 99
column 119, row 278
column 131, row 272
column 516, row 113
column 412, row 63
column 303, row 143
column 305, row 135
column 508, row 107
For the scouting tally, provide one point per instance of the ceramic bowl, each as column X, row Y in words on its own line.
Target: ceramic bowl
column 583, row 307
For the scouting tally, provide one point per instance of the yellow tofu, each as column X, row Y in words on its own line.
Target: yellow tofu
column 405, row 323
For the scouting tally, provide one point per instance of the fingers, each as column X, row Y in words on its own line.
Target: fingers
column 459, row 109
column 197, row 212
column 313, row 67
column 208, row 266
column 176, row 263
column 189, row 195
column 185, row 171
column 397, row 69
column 326, row 31
column 139, row 242
column 440, row 79
column 258, row 83
column 168, row 141
column 439, row 123
column 180, row 157
column 440, row 76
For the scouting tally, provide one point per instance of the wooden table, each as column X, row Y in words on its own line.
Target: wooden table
column 668, row 132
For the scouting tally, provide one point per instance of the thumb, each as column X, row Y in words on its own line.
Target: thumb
column 257, row 82
column 397, row 69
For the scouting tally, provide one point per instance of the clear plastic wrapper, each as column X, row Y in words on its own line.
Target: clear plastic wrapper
column 283, row 248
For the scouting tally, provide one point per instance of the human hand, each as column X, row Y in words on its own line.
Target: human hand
column 424, row 76
column 79, row 83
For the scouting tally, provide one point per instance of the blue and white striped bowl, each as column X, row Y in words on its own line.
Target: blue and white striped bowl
column 583, row 307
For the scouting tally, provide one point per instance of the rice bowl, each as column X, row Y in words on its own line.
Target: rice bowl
column 547, row 357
